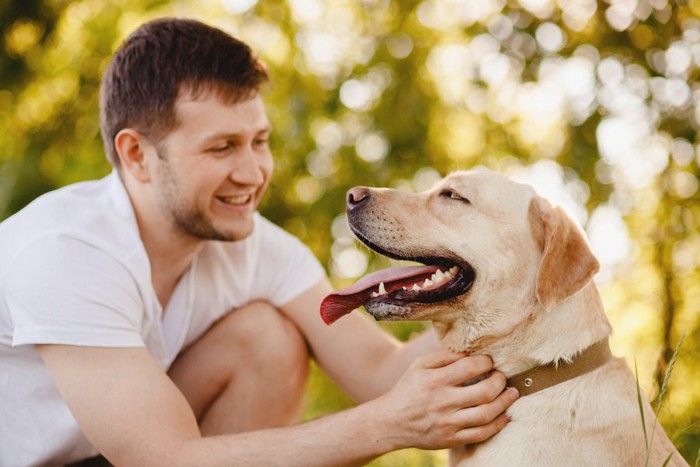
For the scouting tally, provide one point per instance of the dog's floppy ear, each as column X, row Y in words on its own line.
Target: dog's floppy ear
column 567, row 261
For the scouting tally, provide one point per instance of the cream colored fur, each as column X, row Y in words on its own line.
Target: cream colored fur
column 533, row 302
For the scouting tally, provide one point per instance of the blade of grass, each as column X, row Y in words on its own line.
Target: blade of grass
column 641, row 408
column 662, row 393
column 668, row 459
column 667, row 376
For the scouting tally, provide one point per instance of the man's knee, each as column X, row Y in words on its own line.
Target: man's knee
column 261, row 334
column 248, row 371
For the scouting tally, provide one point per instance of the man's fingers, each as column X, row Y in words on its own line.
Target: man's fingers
column 485, row 413
column 438, row 359
column 481, row 433
column 466, row 369
column 484, row 391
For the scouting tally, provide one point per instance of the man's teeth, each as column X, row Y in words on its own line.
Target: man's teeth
column 240, row 199
column 436, row 280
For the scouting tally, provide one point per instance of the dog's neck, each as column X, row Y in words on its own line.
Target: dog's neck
column 548, row 336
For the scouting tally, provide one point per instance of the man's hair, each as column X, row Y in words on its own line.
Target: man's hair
column 166, row 58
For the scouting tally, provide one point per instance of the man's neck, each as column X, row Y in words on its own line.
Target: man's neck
column 169, row 251
column 170, row 256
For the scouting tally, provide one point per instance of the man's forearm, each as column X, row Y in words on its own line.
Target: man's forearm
column 420, row 345
column 351, row 437
column 133, row 413
column 389, row 370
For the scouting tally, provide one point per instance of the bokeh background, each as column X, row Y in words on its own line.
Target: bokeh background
column 596, row 103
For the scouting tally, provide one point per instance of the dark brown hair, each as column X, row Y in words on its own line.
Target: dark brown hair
column 165, row 58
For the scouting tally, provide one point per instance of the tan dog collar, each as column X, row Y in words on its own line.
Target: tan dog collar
column 543, row 376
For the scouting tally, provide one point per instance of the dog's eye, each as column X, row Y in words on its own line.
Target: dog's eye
column 452, row 195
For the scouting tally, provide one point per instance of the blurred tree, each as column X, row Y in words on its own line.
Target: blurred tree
column 594, row 102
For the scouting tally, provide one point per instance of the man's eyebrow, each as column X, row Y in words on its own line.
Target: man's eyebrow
column 232, row 135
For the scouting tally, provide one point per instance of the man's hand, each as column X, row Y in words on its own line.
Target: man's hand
column 430, row 408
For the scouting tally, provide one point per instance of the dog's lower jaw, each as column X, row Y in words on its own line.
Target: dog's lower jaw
column 387, row 312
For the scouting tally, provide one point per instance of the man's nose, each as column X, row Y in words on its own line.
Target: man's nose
column 357, row 196
column 249, row 170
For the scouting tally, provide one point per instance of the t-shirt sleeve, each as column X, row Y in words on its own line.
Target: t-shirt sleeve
column 287, row 267
column 62, row 290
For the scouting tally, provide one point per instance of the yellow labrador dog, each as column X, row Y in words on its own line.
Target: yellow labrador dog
column 508, row 275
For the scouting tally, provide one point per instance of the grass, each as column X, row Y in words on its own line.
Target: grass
column 649, row 439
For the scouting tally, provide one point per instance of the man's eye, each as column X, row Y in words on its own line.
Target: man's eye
column 220, row 149
column 455, row 196
column 261, row 142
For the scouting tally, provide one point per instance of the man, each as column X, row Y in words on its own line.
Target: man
column 116, row 331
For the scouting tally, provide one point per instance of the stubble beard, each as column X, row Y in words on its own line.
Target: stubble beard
column 189, row 218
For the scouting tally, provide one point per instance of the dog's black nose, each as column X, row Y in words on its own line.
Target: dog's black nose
column 357, row 196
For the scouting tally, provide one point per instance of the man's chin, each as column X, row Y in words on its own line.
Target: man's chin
column 230, row 228
column 241, row 234
column 224, row 233
column 237, row 233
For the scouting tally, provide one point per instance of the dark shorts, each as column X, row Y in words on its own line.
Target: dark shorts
column 98, row 461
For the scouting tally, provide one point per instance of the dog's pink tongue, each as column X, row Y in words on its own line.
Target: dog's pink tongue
column 343, row 301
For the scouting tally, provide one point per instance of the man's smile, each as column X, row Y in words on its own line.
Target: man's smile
column 236, row 200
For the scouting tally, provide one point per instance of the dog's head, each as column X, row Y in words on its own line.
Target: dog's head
column 494, row 252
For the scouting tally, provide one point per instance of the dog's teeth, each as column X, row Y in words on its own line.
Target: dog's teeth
column 427, row 283
column 380, row 291
column 404, row 288
column 438, row 276
column 416, row 288
column 454, row 269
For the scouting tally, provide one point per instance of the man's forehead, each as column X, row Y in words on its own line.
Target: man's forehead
column 194, row 109
column 227, row 93
column 216, row 94
column 207, row 116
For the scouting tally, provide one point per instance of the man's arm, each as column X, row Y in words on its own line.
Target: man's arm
column 134, row 415
column 364, row 360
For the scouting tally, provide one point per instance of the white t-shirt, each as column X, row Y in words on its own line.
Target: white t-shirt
column 73, row 270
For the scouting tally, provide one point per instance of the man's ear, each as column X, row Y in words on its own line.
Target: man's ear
column 129, row 144
column 567, row 262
